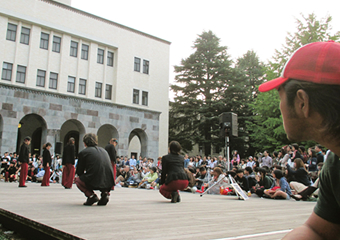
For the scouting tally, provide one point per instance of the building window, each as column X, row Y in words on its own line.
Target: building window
column 70, row 84
column 135, row 96
column 145, row 98
column 53, row 80
column 25, row 35
column 146, row 66
column 98, row 91
column 56, row 44
column 108, row 91
column 110, row 59
column 44, row 40
column 137, row 64
column 74, row 49
column 21, row 74
column 11, row 32
column 82, row 86
column 7, row 71
column 85, row 52
column 100, row 56
column 41, row 75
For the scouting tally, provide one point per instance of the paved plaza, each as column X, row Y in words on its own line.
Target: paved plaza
column 145, row 214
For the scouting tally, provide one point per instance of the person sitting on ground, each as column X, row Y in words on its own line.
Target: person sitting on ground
column 217, row 176
column 250, row 176
column 243, row 164
column 282, row 191
column 300, row 176
column 241, row 180
column 263, row 182
column 135, row 177
column 30, row 174
column 40, row 175
column 306, row 192
column 202, row 178
column 148, row 179
column 123, row 175
column 11, row 173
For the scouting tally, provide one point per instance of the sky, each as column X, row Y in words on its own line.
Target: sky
column 241, row 25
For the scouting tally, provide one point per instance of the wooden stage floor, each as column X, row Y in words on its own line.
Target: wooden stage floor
column 145, row 214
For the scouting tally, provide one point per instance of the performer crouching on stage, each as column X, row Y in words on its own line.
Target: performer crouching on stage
column 47, row 160
column 173, row 176
column 68, row 164
column 95, row 171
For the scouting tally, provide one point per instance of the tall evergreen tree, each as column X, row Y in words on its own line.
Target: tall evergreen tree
column 200, row 80
column 266, row 128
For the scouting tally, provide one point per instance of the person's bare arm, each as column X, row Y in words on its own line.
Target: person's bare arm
column 314, row 229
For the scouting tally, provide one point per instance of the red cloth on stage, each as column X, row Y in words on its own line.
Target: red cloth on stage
column 23, row 174
column 172, row 186
column 68, row 175
column 46, row 179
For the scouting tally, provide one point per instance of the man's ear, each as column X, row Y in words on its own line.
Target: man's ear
column 302, row 103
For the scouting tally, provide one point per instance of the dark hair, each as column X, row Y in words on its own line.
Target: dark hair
column 275, row 154
column 323, row 98
column 27, row 138
column 71, row 140
column 202, row 169
column 175, row 147
column 278, row 174
column 239, row 171
column 90, row 139
column 249, row 169
column 313, row 152
column 296, row 146
column 46, row 145
column 303, row 149
column 154, row 169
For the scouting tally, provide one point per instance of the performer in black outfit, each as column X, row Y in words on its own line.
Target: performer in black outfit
column 68, row 164
column 95, row 171
column 24, row 159
column 47, row 160
column 111, row 150
column 173, row 176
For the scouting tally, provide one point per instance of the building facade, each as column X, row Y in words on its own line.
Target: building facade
column 66, row 72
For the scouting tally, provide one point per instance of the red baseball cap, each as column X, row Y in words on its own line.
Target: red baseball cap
column 317, row 62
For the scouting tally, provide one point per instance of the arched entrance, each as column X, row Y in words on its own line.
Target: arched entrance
column 105, row 133
column 72, row 128
column 137, row 143
column 34, row 126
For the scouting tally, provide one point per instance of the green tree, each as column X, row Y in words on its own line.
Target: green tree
column 266, row 129
column 200, row 80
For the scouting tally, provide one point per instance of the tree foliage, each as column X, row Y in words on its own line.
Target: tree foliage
column 266, row 127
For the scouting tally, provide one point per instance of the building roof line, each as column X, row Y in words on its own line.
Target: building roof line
column 90, row 15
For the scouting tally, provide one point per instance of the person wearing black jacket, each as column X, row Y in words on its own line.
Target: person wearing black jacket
column 24, row 159
column 47, row 161
column 242, row 180
column 173, row 176
column 95, row 171
column 68, row 164
column 111, row 150
column 301, row 178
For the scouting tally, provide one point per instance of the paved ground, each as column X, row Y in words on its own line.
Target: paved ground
column 145, row 214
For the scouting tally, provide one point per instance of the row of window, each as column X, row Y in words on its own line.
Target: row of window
column 136, row 97
column 53, row 81
column 44, row 41
column 145, row 65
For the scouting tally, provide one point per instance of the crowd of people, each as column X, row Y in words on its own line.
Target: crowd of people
column 287, row 173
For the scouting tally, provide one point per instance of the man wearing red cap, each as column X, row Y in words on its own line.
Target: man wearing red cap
column 309, row 91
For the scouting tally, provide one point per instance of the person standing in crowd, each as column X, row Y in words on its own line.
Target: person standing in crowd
column 173, row 176
column 111, row 150
column 95, row 171
column 309, row 91
column 319, row 155
column 47, row 160
column 266, row 160
column 24, row 159
column 68, row 161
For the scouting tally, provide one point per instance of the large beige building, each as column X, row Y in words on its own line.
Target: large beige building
column 66, row 72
